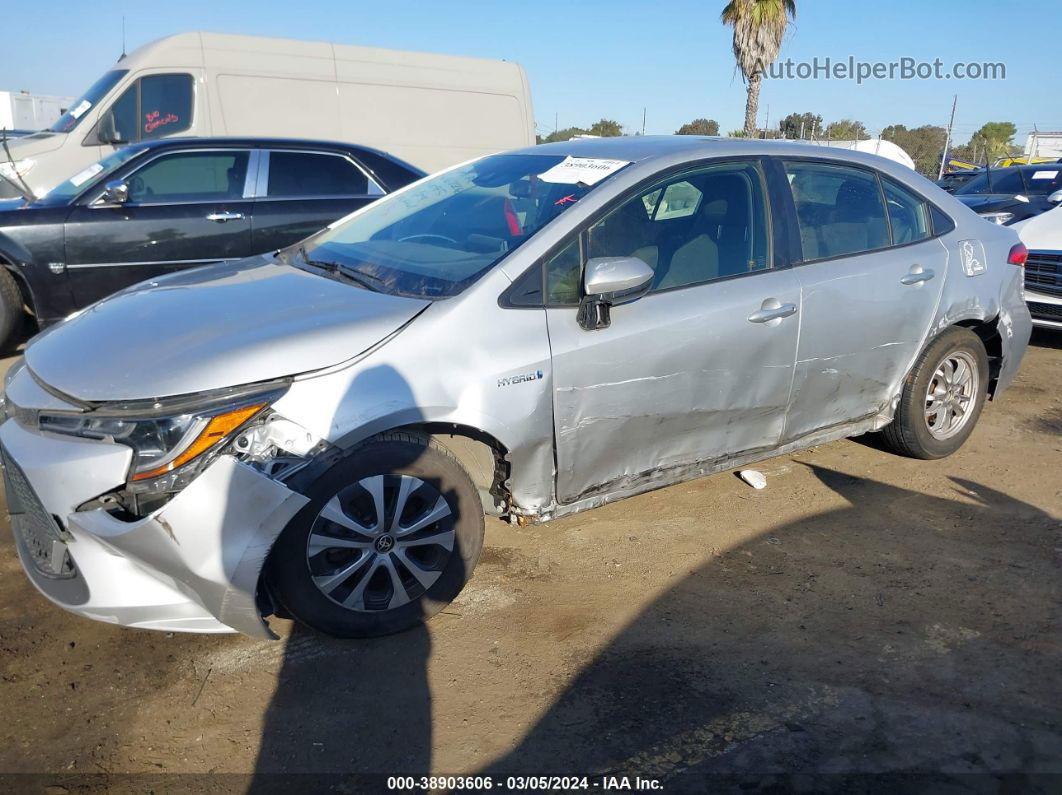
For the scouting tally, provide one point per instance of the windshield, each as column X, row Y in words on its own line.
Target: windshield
column 83, row 104
column 437, row 237
column 67, row 190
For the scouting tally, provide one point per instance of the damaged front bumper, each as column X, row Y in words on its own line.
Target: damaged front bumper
column 191, row 566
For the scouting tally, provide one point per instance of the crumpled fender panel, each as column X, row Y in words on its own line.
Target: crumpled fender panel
column 212, row 538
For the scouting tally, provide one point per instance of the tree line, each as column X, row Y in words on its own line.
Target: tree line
column 925, row 144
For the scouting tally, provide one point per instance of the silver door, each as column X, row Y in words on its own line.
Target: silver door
column 690, row 372
column 865, row 316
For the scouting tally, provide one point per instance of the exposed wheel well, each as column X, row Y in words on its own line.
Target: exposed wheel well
column 484, row 458
column 988, row 331
column 23, row 287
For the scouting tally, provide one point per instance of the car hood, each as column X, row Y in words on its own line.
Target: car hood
column 977, row 201
column 208, row 328
column 1042, row 232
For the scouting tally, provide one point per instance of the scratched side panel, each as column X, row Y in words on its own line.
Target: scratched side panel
column 465, row 360
column 861, row 328
column 679, row 377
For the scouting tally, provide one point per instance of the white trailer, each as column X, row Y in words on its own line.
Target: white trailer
column 25, row 112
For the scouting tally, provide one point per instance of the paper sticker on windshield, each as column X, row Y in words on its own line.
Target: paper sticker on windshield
column 81, row 177
column 972, row 257
column 1045, row 175
column 585, row 170
column 79, row 111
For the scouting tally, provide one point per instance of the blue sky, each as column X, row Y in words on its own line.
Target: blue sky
column 590, row 59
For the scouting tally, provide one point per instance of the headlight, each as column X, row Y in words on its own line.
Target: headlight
column 19, row 168
column 998, row 218
column 168, row 447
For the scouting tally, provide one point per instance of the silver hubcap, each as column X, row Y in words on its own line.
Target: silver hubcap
column 380, row 543
column 951, row 395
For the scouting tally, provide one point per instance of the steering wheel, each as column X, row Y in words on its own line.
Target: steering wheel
column 430, row 236
column 137, row 189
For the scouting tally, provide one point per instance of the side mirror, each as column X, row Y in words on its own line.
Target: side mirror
column 107, row 131
column 115, row 192
column 1055, row 198
column 608, row 282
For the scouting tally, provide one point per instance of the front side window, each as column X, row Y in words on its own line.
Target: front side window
column 694, row 228
column 1043, row 181
column 153, row 107
column 839, row 209
column 306, row 174
column 908, row 214
column 437, row 237
column 165, row 105
column 83, row 104
column 190, row 177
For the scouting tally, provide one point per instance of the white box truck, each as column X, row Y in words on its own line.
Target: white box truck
column 431, row 110
column 22, row 112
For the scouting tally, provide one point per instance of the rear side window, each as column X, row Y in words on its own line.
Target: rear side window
column 839, row 209
column 306, row 174
column 153, row 107
column 190, row 177
column 908, row 214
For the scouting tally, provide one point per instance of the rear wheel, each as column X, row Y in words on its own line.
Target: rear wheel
column 942, row 397
column 389, row 538
column 12, row 313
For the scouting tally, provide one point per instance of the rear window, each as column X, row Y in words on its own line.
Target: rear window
column 306, row 174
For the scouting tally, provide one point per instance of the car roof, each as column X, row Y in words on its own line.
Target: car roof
column 246, row 141
column 646, row 148
column 190, row 142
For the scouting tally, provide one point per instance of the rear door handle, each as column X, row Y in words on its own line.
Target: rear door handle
column 769, row 313
column 223, row 217
column 917, row 275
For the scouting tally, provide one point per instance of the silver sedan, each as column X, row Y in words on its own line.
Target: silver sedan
column 319, row 432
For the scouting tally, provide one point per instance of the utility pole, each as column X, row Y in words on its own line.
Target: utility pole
column 556, row 116
column 1032, row 149
column 643, row 120
column 947, row 139
column 767, row 121
column 801, row 131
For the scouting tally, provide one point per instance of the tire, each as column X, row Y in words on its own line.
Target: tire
column 912, row 432
column 305, row 573
column 12, row 313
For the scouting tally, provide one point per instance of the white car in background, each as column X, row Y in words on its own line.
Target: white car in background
column 1042, row 235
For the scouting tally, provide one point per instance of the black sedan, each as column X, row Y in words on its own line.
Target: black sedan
column 1008, row 195
column 170, row 204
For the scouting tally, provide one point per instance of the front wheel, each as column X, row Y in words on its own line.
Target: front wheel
column 389, row 538
column 942, row 397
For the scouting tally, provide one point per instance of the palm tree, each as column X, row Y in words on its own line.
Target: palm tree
column 759, row 26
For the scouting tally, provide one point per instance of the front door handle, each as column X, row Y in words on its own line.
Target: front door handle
column 772, row 310
column 223, row 217
column 917, row 275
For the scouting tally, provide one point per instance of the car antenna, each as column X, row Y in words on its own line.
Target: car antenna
column 7, row 152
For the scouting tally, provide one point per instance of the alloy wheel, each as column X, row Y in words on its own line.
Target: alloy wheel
column 380, row 543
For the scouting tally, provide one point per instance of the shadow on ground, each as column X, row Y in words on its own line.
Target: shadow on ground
column 906, row 635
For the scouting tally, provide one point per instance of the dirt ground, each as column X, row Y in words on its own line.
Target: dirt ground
column 863, row 615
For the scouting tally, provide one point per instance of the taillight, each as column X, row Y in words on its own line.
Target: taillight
column 1018, row 255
